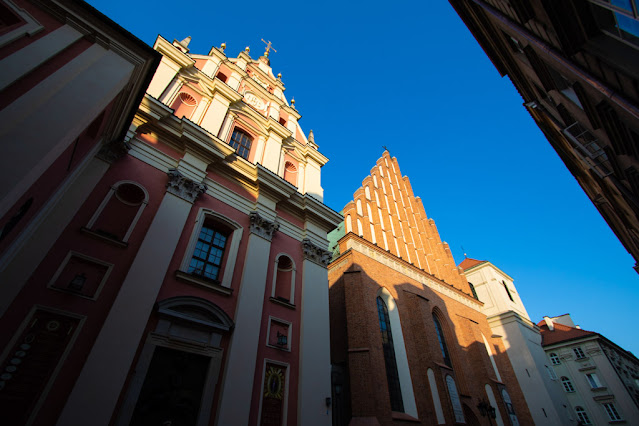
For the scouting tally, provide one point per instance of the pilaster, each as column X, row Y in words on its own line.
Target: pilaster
column 98, row 387
column 235, row 403
column 315, row 359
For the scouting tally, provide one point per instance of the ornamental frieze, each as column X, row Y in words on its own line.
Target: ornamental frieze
column 262, row 227
column 183, row 187
column 316, row 254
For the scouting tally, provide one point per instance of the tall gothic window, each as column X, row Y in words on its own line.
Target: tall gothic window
column 392, row 375
column 442, row 341
column 241, row 142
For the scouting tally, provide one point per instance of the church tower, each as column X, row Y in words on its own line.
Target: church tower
column 408, row 339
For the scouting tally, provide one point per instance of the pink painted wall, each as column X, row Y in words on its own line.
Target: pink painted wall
column 53, row 177
column 281, row 243
column 35, row 291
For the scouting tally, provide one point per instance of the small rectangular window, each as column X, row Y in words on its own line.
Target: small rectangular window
column 613, row 414
column 579, row 353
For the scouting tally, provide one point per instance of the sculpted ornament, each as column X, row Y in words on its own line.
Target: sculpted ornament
column 183, row 187
column 262, row 227
column 316, row 254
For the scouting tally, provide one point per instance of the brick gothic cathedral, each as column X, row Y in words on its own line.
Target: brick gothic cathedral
column 408, row 340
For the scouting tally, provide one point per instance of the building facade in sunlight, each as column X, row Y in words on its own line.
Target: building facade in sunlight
column 574, row 63
column 508, row 318
column 182, row 281
column 409, row 339
column 599, row 378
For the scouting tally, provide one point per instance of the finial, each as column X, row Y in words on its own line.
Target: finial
column 311, row 136
column 247, row 49
column 268, row 47
column 279, row 75
column 293, row 102
column 223, row 46
column 186, row 42
column 464, row 251
column 385, row 149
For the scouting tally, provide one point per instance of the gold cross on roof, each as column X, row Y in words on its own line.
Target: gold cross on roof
column 268, row 47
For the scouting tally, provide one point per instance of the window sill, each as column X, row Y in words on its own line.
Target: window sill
column 279, row 348
column 444, row 366
column 396, row 415
column 599, row 389
column 194, row 279
column 282, row 302
column 105, row 238
column 616, row 422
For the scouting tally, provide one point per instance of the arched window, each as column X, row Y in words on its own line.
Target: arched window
column 458, row 410
column 349, row 224
column 290, row 173
column 582, row 416
column 510, row 296
column 439, row 412
column 554, row 358
column 210, row 257
column 222, row 77
column 510, row 408
column 241, row 142
column 567, row 384
column 360, row 230
column 442, row 341
column 119, row 212
column 392, row 375
column 491, row 357
column 284, row 279
column 472, row 289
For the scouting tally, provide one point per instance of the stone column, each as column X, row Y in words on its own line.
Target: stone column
column 98, row 387
column 235, row 404
column 315, row 357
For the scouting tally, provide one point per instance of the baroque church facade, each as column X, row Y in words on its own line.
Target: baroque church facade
column 171, row 266
column 409, row 340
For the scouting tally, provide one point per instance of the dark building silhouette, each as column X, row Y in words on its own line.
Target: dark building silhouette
column 576, row 65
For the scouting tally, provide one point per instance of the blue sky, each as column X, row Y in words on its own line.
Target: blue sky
column 410, row 76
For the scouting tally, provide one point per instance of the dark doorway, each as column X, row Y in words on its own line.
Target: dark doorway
column 172, row 390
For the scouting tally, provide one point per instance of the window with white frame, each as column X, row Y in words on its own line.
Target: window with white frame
column 510, row 408
column 565, row 381
column 582, row 416
column 579, row 353
column 120, row 211
column 611, row 410
column 593, row 380
column 554, row 358
column 212, row 250
column 284, row 279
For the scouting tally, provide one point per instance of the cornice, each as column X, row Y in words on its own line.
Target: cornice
column 486, row 263
column 278, row 129
column 512, row 316
column 169, row 51
column 309, row 151
column 291, row 111
column 387, row 259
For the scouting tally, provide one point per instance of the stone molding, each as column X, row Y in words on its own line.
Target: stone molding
column 113, row 151
column 392, row 262
column 316, row 254
column 183, row 187
column 262, row 227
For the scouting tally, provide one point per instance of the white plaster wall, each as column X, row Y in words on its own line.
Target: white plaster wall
column 164, row 74
column 96, row 392
column 42, row 123
column 313, row 181
column 272, row 153
column 214, row 116
column 523, row 346
column 35, row 54
column 315, row 359
column 237, row 382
